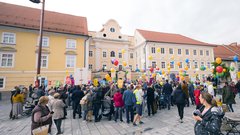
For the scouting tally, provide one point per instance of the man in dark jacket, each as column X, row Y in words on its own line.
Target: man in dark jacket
column 77, row 95
column 179, row 99
column 150, row 99
column 228, row 96
column 167, row 91
column 191, row 92
column 97, row 100
column 238, row 87
column 185, row 90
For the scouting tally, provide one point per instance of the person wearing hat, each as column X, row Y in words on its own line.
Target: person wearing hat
column 58, row 111
column 41, row 115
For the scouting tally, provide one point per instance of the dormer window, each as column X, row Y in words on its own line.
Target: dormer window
column 112, row 29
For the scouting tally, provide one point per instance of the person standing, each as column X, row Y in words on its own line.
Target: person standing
column 185, row 90
column 150, row 99
column 129, row 101
column 167, row 91
column 41, row 115
column 30, row 88
column 58, row 112
column 118, row 104
column 197, row 93
column 179, row 98
column 77, row 95
column 191, row 92
column 18, row 100
column 228, row 96
column 238, row 87
column 210, row 89
column 97, row 101
column 139, row 99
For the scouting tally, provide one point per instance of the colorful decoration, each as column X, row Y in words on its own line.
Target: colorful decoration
column 151, row 70
column 218, row 60
column 150, row 57
column 116, row 62
column 158, row 50
column 112, row 70
column 186, row 68
column 112, row 61
column 178, row 63
column 219, row 69
column 123, row 51
column 124, row 63
column 224, row 70
column 202, row 68
column 157, row 68
column 235, row 58
column 232, row 68
column 95, row 81
column 187, row 60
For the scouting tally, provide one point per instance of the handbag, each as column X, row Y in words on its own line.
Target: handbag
column 43, row 130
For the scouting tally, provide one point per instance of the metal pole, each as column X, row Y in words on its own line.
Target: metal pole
column 40, row 40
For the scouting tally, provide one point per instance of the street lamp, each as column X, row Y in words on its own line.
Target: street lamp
column 40, row 37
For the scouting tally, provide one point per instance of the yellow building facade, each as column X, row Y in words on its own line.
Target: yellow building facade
column 63, row 50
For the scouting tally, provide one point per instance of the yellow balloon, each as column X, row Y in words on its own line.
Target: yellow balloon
column 172, row 57
column 124, row 63
column 150, row 57
column 163, row 72
column 123, row 51
column 95, row 82
column 178, row 63
column 158, row 50
column 112, row 70
column 182, row 78
column 154, row 75
column 218, row 60
column 186, row 68
column 224, row 70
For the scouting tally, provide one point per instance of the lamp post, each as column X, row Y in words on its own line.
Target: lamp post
column 40, row 37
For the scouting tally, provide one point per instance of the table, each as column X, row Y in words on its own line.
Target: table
column 233, row 120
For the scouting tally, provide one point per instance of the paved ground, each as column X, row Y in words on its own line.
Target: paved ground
column 163, row 123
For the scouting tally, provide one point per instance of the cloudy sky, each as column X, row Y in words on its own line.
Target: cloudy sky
column 211, row 21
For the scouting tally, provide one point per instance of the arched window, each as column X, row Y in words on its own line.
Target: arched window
column 112, row 54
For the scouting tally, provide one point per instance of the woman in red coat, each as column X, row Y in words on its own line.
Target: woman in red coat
column 197, row 93
column 118, row 104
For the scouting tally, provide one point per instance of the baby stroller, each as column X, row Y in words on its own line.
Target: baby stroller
column 107, row 107
column 28, row 107
column 162, row 102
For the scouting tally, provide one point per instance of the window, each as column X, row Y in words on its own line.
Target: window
column 70, row 61
column 170, row 51
column 42, row 80
column 162, row 51
column 201, row 52
column 163, row 65
column 45, row 41
column 90, row 53
column 181, row 65
column 44, row 61
column 195, row 64
column 194, row 52
column 179, row 51
column 8, row 38
column 187, row 52
column 131, row 55
column 104, row 66
column 171, row 65
column 90, row 66
column 112, row 29
column 202, row 64
column 112, row 54
column 130, row 66
column 120, row 67
column 120, row 55
column 71, row 44
column 6, row 59
column 2, row 82
column 189, row 65
column 153, row 50
column 207, row 53
column 104, row 54
column 154, row 64
column 208, row 64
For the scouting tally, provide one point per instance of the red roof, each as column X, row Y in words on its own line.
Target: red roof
column 170, row 38
column 227, row 52
column 26, row 17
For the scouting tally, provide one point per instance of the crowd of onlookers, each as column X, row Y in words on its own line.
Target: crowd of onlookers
column 132, row 98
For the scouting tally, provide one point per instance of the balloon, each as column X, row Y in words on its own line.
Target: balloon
column 232, row 68
column 218, row 60
column 186, row 68
column 187, row 60
column 126, row 72
column 150, row 57
column 163, row 72
column 112, row 61
column 137, row 70
column 153, row 75
column 116, row 62
column 168, row 67
column 112, row 70
column 95, row 81
column 124, row 63
column 235, row 58
column 224, row 70
column 182, row 78
column 172, row 57
column 158, row 50
column 178, row 63
column 151, row 69
column 123, row 51
column 219, row 69
column 172, row 62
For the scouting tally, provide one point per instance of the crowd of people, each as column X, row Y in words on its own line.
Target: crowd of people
column 93, row 102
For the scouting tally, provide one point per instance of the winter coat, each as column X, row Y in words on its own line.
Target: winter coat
column 197, row 95
column 98, row 96
column 210, row 124
column 150, row 94
column 179, row 96
column 18, row 98
column 77, row 95
column 167, row 89
column 57, row 108
column 228, row 95
column 191, row 88
column 128, row 98
column 118, row 101
column 185, row 90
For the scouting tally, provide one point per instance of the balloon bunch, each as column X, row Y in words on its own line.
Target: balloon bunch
column 115, row 62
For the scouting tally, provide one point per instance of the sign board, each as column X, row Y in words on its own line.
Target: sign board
column 81, row 76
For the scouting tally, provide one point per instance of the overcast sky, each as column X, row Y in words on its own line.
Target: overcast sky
column 211, row 21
